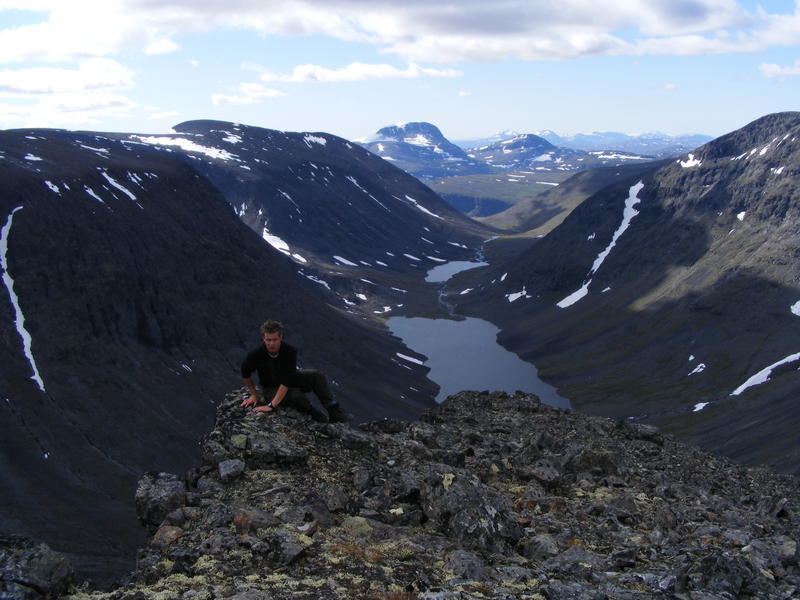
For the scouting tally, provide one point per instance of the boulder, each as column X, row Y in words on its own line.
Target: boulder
column 30, row 570
column 157, row 495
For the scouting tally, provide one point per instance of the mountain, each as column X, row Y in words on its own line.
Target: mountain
column 132, row 290
column 656, row 144
column 337, row 210
column 500, row 136
column 672, row 296
column 422, row 150
column 532, row 152
column 526, row 501
column 541, row 213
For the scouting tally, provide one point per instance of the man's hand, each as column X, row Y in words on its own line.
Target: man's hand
column 251, row 401
column 264, row 409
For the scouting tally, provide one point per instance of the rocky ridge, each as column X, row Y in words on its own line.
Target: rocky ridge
column 486, row 496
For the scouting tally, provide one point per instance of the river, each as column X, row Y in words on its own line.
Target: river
column 463, row 354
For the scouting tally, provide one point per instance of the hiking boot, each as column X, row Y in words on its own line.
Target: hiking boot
column 337, row 415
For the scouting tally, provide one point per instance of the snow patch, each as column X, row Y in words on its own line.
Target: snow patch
column 187, row 145
column 53, row 187
column 740, row 216
column 422, row 208
column 344, row 261
column 314, row 139
column 121, row 188
column 32, row 157
column 691, row 162
column 795, row 308
column 91, row 192
column 410, row 358
column 764, row 374
column 698, row 369
column 627, row 216
column 699, row 406
column 19, row 318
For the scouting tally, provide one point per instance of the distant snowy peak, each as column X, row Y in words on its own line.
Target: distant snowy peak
column 652, row 143
column 421, row 149
column 500, row 136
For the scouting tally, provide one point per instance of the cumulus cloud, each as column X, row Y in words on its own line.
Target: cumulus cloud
column 93, row 74
column 415, row 30
column 357, row 71
column 66, row 110
column 778, row 72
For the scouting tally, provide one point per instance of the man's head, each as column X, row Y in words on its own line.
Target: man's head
column 272, row 334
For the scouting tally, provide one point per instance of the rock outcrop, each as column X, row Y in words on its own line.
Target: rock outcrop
column 486, row 496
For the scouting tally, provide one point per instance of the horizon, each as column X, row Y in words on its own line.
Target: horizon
column 472, row 69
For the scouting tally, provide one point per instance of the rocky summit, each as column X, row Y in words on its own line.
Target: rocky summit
column 486, row 496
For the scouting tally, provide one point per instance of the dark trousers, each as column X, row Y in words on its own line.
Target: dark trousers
column 310, row 380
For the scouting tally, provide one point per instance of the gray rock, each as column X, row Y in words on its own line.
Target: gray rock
column 572, row 591
column 284, row 547
column 271, row 448
column 158, row 494
column 230, row 469
column 576, row 561
column 471, row 512
column 539, row 547
column 465, row 565
column 31, row 570
column 218, row 515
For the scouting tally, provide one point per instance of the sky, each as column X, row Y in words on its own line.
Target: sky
column 350, row 67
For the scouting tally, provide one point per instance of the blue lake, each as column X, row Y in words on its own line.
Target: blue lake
column 445, row 271
column 464, row 354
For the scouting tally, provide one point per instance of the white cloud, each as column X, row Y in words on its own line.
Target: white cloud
column 778, row 72
column 416, row 30
column 357, row 71
column 92, row 74
column 670, row 86
column 464, row 93
column 249, row 93
column 66, row 110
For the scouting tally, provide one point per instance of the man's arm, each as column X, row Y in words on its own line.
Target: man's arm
column 280, row 394
column 253, row 399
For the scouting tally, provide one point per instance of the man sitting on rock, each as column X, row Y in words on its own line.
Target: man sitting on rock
column 276, row 364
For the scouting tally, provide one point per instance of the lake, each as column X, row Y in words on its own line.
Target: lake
column 464, row 354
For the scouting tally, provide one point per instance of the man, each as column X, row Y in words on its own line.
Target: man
column 281, row 380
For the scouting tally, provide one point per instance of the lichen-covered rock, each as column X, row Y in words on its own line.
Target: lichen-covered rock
column 230, row 469
column 30, row 570
column 527, row 502
column 158, row 494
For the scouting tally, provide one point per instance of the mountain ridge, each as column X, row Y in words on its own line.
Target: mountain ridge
column 708, row 234
column 526, row 501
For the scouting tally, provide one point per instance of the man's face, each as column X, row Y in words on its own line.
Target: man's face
column 273, row 342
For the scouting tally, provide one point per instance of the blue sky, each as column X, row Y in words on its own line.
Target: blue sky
column 350, row 67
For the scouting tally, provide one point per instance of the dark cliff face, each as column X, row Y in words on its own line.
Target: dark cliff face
column 486, row 496
column 689, row 284
column 141, row 290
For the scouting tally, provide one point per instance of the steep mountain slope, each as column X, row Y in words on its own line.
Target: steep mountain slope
column 540, row 214
column 341, row 213
column 132, row 291
column 422, row 150
column 673, row 296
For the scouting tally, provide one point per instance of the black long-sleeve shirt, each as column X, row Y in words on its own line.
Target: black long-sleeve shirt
column 272, row 372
